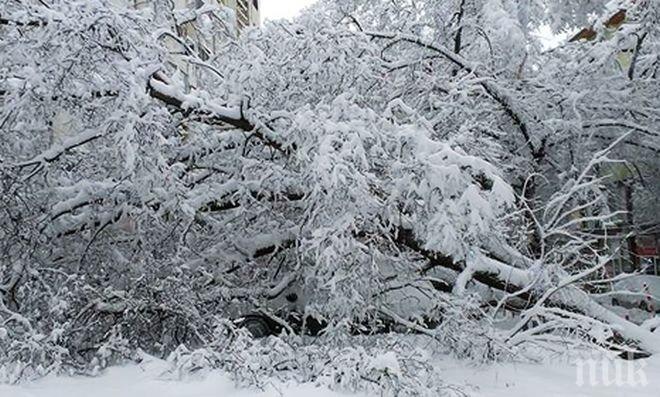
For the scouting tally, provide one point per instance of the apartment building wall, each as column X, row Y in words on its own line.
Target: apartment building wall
column 247, row 12
column 204, row 39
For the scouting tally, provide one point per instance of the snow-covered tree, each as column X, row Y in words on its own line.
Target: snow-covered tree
column 372, row 162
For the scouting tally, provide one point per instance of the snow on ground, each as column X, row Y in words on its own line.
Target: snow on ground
column 502, row 380
column 149, row 379
column 549, row 380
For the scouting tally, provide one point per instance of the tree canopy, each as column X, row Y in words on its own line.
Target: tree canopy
column 426, row 163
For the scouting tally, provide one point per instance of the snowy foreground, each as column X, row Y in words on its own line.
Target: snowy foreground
column 509, row 380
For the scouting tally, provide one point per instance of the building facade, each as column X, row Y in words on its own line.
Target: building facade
column 243, row 13
column 247, row 12
column 202, row 26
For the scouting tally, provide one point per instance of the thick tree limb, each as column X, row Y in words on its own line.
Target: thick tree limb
column 5, row 21
column 228, row 203
column 510, row 279
column 188, row 104
column 459, row 32
column 406, row 238
column 208, row 113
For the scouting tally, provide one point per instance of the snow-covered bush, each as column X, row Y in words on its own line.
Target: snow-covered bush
column 387, row 366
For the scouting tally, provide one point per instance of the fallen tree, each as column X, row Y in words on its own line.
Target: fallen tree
column 304, row 160
column 508, row 270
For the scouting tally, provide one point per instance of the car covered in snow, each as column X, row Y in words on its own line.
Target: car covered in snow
column 409, row 304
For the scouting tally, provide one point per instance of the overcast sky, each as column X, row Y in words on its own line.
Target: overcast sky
column 275, row 9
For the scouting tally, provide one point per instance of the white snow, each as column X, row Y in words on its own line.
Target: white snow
column 386, row 362
column 499, row 380
column 150, row 378
column 189, row 101
column 549, row 380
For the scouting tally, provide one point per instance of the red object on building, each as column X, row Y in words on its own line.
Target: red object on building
column 646, row 251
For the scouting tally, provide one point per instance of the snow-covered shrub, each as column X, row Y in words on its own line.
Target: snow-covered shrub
column 467, row 331
column 27, row 355
column 389, row 365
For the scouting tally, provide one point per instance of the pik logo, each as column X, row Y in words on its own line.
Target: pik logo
column 611, row 371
